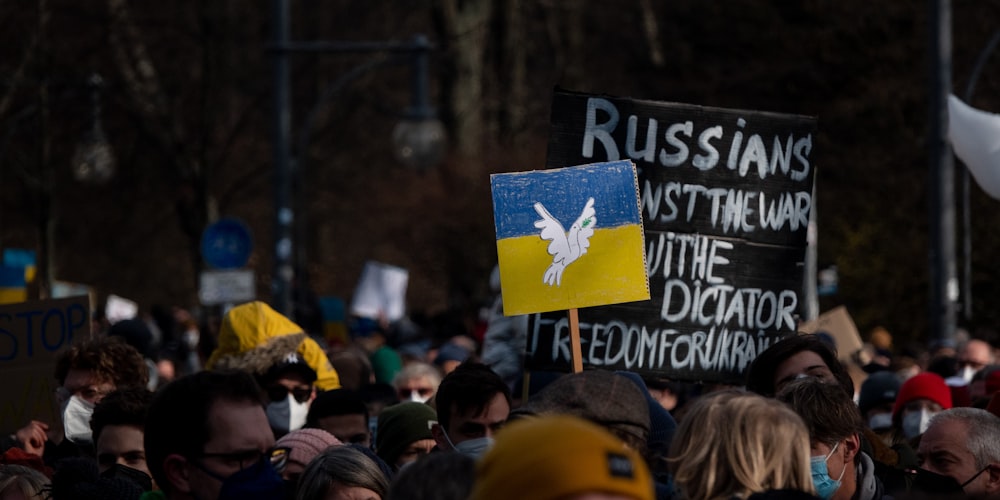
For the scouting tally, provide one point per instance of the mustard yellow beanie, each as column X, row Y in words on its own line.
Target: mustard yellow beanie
column 553, row 456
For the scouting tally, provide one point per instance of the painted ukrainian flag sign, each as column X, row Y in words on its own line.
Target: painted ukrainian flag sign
column 569, row 237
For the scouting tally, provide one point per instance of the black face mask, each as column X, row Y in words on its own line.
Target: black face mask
column 932, row 483
column 135, row 475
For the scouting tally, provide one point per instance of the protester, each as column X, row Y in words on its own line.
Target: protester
column 876, row 399
column 303, row 446
column 85, row 373
column 973, row 356
column 353, row 367
column 964, row 445
column 450, row 355
column 602, row 397
column 343, row 413
column 731, row 444
column 792, row 357
column 118, row 426
column 137, row 333
column 417, row 381
column 77, row 478
column 472, row 403
column 920, row 398
column 437, row 476
column 343, row 472
column 840, row 470
column 404, row 433
column 18, row 482
column 207, row 437
column 288, row 364
column 560, row 457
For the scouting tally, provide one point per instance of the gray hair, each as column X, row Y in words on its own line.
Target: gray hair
column 341, row 464
column 418, row 369
column 983, row 428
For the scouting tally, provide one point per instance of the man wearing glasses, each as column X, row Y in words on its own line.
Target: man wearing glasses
column 207, row 437
column 86, row 373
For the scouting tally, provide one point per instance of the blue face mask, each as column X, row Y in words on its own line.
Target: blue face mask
column 824, row 484
column 257, row 482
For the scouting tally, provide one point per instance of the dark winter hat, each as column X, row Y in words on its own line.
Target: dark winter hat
column 879, row 388
column 599, row 396
column 400, row 425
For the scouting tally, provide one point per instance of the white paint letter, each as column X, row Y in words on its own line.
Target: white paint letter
column 601, row 132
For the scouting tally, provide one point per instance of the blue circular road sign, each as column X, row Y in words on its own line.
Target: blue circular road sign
column 226, row 244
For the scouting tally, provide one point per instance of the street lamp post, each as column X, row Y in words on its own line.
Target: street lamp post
column 418, row 140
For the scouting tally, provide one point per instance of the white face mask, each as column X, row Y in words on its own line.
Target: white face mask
column 416, row 397
column 287, row 415
column 967, row 373
column 880, row 421
column 76, row 415
column 915, row 423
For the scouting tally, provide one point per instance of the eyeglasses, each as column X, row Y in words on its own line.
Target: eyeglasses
column 88, row 394
column 278, row 392
column 277, row 456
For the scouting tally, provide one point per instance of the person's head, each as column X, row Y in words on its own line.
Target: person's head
column 417, row 381
column 561, row 457
column 118, row 426
column 733, row 433
column 289, row 391
column 207, row 429
column 303, row 446
column 472, row 402
column 835, row 427
column 341, row 473
column 438, row 476
column 964, row 444
column 602, row 397
column 973, row 356
column 87, row 372
column 450, row 355
column 404, row 433
column 18, row 482
column 792, row 357
column 343, row 413
column 921, row 397
column 876, row 399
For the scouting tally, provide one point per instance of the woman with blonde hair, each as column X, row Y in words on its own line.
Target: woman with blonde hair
column 733, row 444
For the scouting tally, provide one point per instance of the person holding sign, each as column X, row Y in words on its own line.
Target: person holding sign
column 86, row 373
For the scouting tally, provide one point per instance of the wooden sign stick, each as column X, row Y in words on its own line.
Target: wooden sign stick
column 574, row 339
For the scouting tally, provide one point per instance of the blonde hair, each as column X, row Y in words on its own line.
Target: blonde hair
column 736, row 443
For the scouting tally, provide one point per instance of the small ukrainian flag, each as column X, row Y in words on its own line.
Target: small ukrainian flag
column 13, row 288
column 569, row 237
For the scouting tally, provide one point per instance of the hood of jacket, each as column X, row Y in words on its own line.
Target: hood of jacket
column 253, row 337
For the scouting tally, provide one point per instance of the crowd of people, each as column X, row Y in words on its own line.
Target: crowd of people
column 273, row 411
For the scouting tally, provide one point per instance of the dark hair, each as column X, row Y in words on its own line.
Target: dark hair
column 127, row 406
column 336, row 402
column 760, row 375
column 469, row 387
column 346, row 465
column 178, row 415
column 437, row 476
column 110, row 358
column 829, row 414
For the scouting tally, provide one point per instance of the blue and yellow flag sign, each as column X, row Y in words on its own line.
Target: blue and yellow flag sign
column 569, row 237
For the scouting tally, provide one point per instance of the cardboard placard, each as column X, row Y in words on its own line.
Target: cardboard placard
column 839, row 324
column 31, row 336
column 725, row 198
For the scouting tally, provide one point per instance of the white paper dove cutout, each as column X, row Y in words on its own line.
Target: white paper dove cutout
column 565, row 248
column 975, row 137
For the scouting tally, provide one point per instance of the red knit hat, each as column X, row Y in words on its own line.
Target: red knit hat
column 925, row 385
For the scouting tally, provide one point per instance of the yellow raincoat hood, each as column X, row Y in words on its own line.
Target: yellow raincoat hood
column 254, row 337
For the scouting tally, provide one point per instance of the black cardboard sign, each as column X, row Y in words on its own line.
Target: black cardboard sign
column 725, row 198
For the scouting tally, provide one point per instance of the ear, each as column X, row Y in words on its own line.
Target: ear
column 175, row 467
column 439, row 437
column 852, row 446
